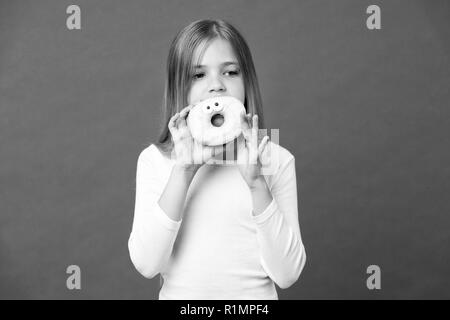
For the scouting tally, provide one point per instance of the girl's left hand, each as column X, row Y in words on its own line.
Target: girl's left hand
column 249, row 154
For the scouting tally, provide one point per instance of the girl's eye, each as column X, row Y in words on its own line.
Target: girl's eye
column 233, row 72
column 198, row 75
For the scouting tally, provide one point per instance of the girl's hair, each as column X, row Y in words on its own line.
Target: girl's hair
column 180, row 69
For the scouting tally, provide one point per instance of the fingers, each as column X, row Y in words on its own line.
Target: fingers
column 251, row 128
column 185, row 111
column 263, row 145
column 248, row 117
column 251, row 121
column 255, row 121
column 255, row 129
column 177, row 119
column 242, row 152
column 248, row 126
column 172, row 123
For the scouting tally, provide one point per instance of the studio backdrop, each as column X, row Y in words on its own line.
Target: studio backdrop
column 362, row 103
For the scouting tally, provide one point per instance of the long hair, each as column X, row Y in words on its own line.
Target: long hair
column 180, row 67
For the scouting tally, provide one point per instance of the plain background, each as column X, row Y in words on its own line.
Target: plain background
column 365, row 112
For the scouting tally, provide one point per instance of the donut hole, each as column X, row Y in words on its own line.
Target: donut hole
column 217, row 120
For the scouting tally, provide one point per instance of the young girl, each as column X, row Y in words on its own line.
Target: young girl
column 215, row 231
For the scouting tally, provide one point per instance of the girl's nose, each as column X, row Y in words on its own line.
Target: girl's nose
column 216, row 85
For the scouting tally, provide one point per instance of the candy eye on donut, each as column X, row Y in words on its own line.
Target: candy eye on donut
column 207, row 109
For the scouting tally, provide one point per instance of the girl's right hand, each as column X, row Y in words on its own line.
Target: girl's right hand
column 189, row 154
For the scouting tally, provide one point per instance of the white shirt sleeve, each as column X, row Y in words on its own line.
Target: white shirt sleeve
column 283, row 255
column 153, row 233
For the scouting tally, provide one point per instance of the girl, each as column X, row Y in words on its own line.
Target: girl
column 215, row 231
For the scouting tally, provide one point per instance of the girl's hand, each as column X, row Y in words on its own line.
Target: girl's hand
column 189, row 154
column 249, row 153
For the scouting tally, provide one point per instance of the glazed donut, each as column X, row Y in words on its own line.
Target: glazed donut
column 216, row 121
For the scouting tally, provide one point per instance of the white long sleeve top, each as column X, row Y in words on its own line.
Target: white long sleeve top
column 219, row 250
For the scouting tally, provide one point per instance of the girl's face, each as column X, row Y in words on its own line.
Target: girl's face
column 218, row 74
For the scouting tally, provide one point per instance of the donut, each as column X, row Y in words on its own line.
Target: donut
column 216, row 121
